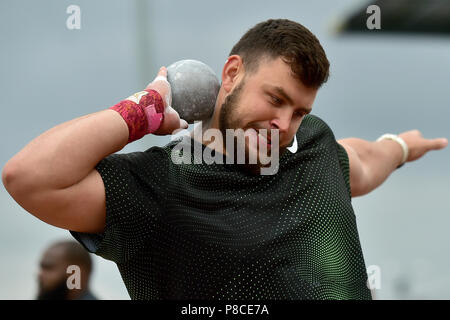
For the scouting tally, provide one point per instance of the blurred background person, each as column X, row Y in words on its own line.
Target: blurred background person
column 54, row 272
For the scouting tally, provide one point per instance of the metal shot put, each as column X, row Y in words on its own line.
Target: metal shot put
column 194, row 89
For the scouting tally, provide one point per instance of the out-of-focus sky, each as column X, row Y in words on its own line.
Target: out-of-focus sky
column 50, row 74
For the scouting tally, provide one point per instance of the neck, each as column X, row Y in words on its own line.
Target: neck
column 211, row 123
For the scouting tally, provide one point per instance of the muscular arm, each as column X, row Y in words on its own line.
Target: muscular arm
column 53, row 177
column 371, row 163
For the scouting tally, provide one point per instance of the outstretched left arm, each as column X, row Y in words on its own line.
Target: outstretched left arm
column 372, row 162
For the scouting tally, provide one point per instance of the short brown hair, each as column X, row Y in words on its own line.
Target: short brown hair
column 291, row 41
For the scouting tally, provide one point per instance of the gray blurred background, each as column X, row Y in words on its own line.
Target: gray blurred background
column 379, row 83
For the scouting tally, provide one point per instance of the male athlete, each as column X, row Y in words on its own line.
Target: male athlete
column 218, row 231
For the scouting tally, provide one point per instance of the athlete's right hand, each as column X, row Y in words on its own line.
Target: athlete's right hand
column 172, row 120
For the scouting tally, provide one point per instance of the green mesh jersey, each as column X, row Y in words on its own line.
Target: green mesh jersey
column 199, row 231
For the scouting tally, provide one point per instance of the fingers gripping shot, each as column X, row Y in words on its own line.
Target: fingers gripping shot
column 218, row 229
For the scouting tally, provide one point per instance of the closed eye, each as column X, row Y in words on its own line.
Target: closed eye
column 278, row 102
column 275, row 100
column 299, row 113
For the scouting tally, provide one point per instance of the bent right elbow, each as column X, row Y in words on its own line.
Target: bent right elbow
column 8, row 176
column 15, row 181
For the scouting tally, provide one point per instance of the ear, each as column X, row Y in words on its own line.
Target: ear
column 232, row 71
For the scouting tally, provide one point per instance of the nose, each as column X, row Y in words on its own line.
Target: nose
column 282, row 121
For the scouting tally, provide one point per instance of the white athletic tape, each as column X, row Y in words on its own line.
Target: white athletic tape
column 400, row 141
column 169, row 109
column 161, row 78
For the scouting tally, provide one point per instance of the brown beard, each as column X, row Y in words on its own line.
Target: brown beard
column 226, row 121
column 228, row 108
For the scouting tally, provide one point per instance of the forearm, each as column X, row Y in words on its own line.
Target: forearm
column 65, row 154
column 377, row 159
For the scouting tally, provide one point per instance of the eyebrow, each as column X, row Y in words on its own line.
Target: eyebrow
column 280, row 91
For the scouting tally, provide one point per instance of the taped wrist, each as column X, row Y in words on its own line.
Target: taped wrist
column 143, row 112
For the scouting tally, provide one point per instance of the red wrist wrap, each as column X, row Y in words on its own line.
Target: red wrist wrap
column 143, row 112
